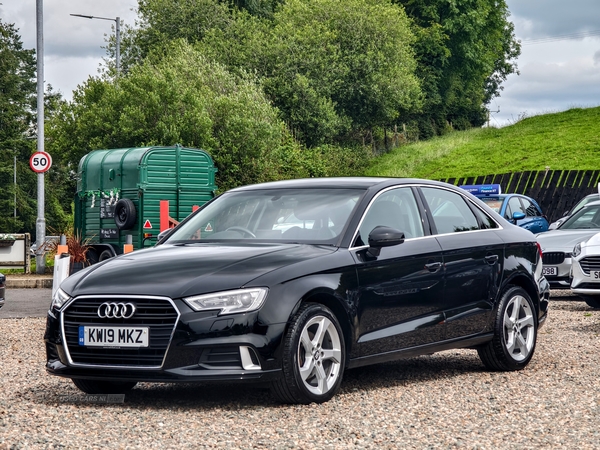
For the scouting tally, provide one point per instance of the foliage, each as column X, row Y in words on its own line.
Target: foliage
column 18, row 98
column 535, row 143
column 465, row 50
column 178, row 98
column 332, row 71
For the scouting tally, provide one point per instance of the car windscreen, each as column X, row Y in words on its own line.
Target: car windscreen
column 287, row 215
column 493, row 202
column 586, row 218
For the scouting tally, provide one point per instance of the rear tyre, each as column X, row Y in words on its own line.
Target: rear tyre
column 593, row 302
column 106, row 254
column 515, row 333
column 314, row 357
column 104, row 387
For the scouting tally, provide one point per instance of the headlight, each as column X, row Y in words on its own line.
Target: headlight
column 577, row 250
column 229, row 302
column 59, row 298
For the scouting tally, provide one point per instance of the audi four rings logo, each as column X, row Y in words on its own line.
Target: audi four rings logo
column 108, row 310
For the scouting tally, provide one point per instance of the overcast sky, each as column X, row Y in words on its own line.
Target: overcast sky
column 554, row 75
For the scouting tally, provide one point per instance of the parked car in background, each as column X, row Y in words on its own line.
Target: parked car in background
column 580, row 204
column 558, row 245
column 586, row 270
column 516, row 208
column 2, row 289
column 369, row 270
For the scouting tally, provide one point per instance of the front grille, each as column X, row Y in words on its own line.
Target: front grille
column 158, row 314
column 590, row 263
column 553, row 257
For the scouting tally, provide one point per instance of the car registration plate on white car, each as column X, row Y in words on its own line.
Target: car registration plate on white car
column 98, row 336
column 550, row 271
column 595, row 274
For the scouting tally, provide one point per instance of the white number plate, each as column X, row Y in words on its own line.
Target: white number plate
column 113, row 336
column 550, row 271
column 595, row 274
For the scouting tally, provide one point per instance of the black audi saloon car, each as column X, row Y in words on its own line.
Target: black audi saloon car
column 291, row 283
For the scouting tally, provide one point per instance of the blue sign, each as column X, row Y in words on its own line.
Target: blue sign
column 483, row 189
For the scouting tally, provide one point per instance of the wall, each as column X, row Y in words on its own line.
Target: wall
column 556, row 191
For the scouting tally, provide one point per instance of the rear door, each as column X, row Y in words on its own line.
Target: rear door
column 473, row 258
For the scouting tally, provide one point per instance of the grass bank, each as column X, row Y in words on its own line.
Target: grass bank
column 561, row 141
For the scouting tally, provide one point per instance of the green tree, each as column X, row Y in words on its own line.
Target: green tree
column 17, row 101
column 175, row 96
column 335, row 69
column 465, row 50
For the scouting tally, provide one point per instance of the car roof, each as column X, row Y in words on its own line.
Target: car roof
column 501, row 196
column 594, row 203
column 338, row 182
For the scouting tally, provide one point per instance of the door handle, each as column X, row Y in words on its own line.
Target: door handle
column 434, row 266
column 491, row 259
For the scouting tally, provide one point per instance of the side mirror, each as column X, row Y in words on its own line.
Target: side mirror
column 383, row 237
column 162, row 235
column 518, row 216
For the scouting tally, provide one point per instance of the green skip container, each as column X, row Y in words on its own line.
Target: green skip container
column 119, row 193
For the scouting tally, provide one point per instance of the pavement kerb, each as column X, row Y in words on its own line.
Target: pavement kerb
column 25, row 282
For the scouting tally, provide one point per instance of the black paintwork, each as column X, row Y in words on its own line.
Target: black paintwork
column 422, row 295
column 2, row 289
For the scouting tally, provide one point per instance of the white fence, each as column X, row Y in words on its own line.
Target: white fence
column 14, row 251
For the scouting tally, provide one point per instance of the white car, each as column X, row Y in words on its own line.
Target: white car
column 586, row 271
column 557, row 245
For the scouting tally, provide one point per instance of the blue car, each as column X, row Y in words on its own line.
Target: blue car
column 516, row 208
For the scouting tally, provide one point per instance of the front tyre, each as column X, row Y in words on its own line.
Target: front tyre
column 592, row 302
column 103, row 387
column 515, row 333
column 314, row 357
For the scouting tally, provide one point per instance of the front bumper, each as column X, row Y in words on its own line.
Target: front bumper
column 2, row 289
column 583, row 282
column 184, row 345
column 562, row 279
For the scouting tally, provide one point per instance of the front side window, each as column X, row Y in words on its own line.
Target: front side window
column 514, row 205
column 298, row 215
column 396, row 208
column 450, row 211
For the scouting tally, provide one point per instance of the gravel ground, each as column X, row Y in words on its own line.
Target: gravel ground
column 443, row 401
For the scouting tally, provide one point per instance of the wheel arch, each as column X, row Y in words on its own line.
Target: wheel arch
column 526, row 283
column 336, row 305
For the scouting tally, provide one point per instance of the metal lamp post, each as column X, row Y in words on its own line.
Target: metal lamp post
column 117, row 21
column 40, row 224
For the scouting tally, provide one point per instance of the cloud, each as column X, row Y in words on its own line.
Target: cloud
column 72, row 45
column 543, row 18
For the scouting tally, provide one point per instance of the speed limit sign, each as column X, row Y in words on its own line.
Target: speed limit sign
column 40, row 162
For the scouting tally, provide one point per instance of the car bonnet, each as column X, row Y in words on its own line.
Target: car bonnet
column 180, row 270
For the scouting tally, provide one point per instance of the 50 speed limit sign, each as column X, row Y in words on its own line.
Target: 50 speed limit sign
column 40, row 162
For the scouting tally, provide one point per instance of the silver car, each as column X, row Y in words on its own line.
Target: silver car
column 557, row 245
column 580, row 204
column 586, row 271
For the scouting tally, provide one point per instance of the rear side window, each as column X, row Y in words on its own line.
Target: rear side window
column 450, row 211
